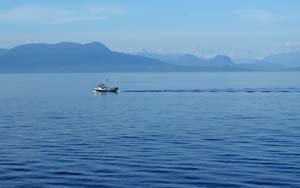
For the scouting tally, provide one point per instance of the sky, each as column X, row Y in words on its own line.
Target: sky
column 238, row 28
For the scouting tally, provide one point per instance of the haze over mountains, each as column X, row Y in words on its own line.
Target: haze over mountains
column 73, row 57
column 96, row 57
column 189, row 59
column 276, row 62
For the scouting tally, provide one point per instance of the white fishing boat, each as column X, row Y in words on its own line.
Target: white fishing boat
column 103, row 88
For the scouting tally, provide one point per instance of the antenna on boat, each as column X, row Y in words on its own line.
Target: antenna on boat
column 108, row 81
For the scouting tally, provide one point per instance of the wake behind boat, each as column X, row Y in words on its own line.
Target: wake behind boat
column 102, row 88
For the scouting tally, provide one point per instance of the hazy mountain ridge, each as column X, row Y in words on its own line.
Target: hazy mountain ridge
column 293, row 69
column 287, row 60
column 189, row 59
column 91, row 57
column 178, row 59
column 96, row 57
column 220, row 61
column 73, row 57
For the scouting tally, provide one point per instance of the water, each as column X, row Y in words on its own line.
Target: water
column 162, row 130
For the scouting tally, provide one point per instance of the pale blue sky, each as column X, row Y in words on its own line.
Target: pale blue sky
column 239, row 28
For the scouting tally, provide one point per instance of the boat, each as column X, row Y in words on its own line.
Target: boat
column 102, row 88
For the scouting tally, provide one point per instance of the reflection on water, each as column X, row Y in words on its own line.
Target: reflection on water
column 104, row 93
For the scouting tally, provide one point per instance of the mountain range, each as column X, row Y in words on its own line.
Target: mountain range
column 96, row 57
column 73, row 57
column 220, row 61
column 277, row 62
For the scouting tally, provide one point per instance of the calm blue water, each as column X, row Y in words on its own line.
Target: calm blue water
column 162, row 130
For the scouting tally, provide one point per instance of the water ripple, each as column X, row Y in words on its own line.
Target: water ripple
column 230, row 137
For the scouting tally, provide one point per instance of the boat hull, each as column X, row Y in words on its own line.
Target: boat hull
column 112, row 90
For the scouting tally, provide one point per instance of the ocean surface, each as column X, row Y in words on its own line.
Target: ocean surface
column 163, row 130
